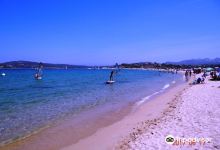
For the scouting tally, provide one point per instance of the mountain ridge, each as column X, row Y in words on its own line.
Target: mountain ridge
column 200, row 61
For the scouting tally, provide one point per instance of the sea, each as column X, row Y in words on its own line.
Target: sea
column 27, row 105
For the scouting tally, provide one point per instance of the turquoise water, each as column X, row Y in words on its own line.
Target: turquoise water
column 27, row 104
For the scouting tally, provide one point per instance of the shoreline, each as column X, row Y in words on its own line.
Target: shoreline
column 104, row 138
column 57, row 133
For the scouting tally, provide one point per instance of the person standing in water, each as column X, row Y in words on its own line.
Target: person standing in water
column 111, row 75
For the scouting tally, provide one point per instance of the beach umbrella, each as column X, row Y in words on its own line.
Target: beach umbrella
column 209, row 69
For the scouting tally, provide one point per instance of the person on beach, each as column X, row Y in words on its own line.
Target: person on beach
column 204, row 74
column 186, row 73
column 214, row 75
column 111, row 75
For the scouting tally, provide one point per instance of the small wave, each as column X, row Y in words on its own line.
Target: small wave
column 143, row 100
column 10, row 89
column 21, row 137
column 41, row 87
column 166, row 86
column 146, row 98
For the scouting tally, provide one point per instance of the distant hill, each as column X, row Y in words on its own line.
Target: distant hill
column 181, row 64
column 205, row 61
column 141, row 65
column 30, row 64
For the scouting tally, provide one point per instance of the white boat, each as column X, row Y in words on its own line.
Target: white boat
column 110, row 82
column 3, row 74
column 38, row 77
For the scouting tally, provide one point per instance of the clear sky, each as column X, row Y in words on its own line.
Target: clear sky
column 102, row 32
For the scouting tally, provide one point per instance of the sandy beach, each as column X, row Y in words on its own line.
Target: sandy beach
column 110, row 75
column 193, row 114
column 190, row 111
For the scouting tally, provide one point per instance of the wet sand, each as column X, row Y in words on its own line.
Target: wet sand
column 69, row 131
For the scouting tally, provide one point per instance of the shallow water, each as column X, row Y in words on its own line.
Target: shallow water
column 27, row 104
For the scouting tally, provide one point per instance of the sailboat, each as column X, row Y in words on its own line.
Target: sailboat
column 113, row 72
column 111, row 81
column 38, row 75
column 3, row 74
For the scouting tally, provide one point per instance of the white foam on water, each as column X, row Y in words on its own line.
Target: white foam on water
column 166, row 86
column 143, row 100
column 146, row 98
column 149, row 96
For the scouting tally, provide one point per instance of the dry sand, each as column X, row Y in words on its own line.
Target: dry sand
column 195, row 113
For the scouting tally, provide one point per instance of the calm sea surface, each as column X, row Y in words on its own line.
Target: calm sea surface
column 27, row 104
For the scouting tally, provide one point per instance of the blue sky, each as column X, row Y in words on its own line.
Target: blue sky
column 102, row 32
